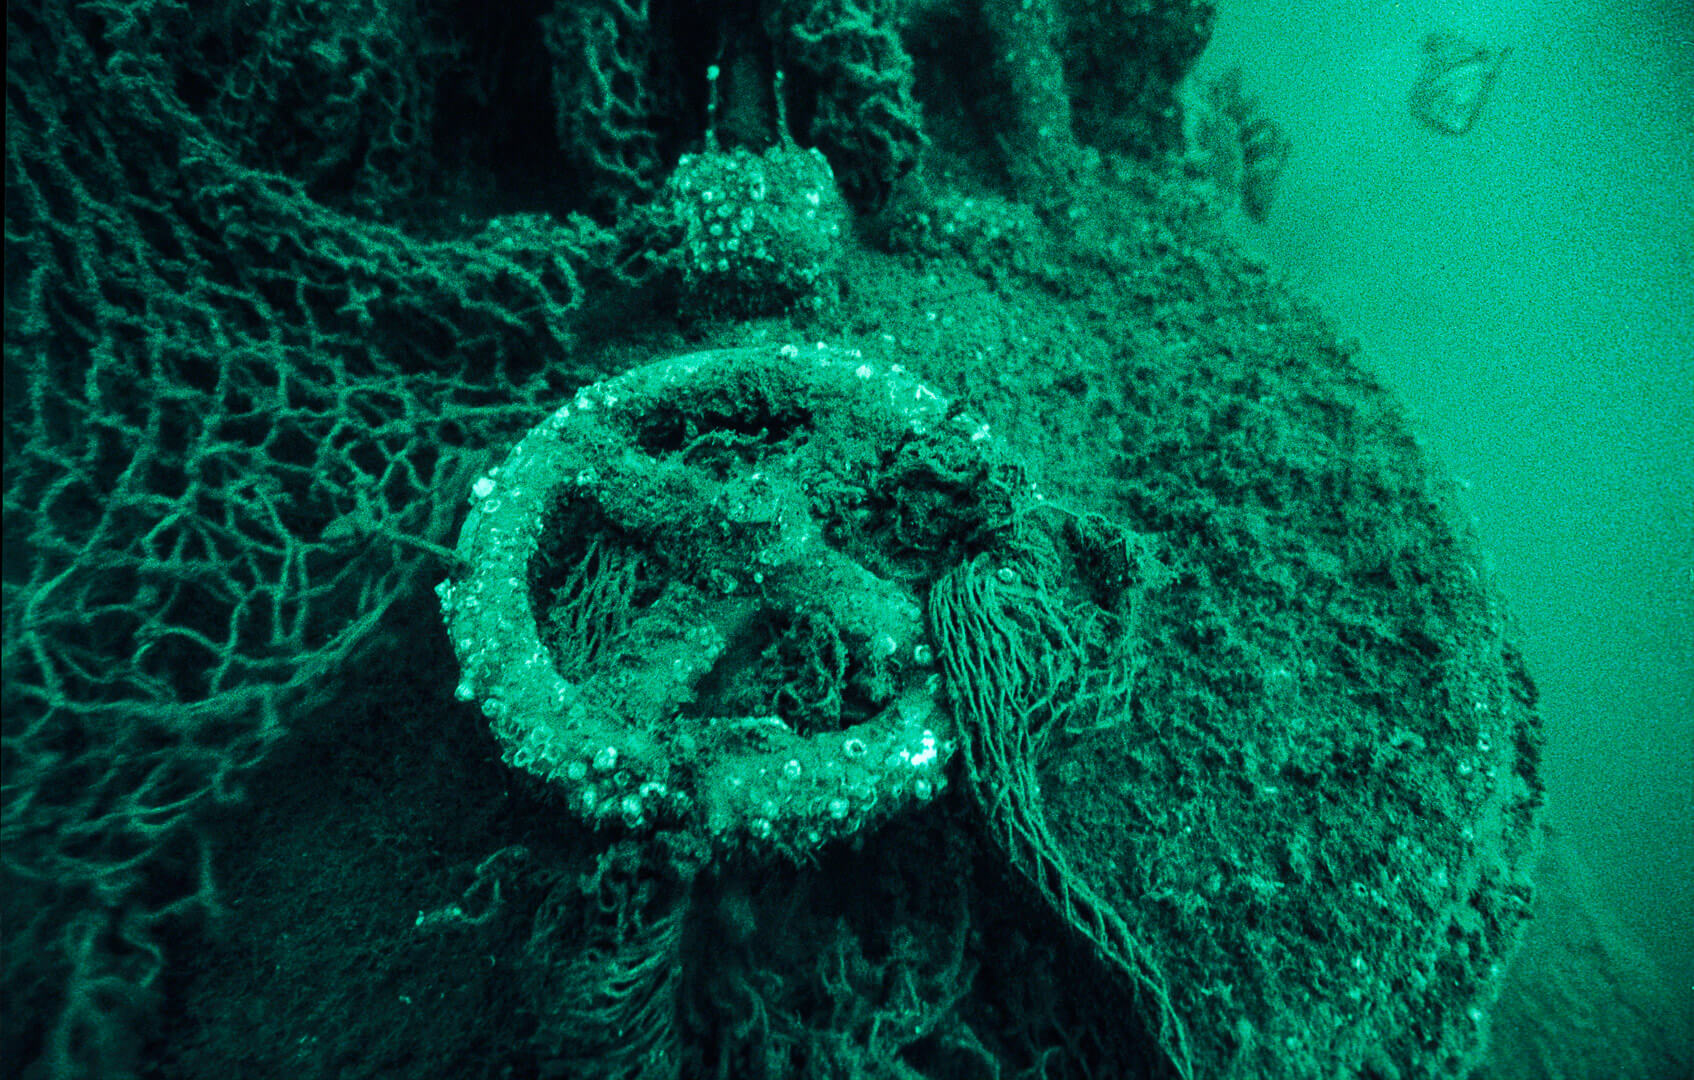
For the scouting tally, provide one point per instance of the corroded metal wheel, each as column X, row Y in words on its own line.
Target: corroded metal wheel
column 693, row 595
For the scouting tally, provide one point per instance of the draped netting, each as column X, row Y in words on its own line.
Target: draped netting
column 235, row 381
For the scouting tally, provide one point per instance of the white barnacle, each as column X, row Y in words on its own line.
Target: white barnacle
column 926, row 756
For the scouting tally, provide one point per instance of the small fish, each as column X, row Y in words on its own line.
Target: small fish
column 1453, row 86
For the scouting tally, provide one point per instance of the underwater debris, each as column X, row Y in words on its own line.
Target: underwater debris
column 692, row 601
column 1230, row 142
column 1454, row 83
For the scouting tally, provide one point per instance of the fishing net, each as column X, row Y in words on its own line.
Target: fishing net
column 228, row 403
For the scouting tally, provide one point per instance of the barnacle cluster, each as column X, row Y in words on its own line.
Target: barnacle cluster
column 760, row 232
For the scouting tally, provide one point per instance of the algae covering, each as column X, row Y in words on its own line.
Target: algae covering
column 952, row 616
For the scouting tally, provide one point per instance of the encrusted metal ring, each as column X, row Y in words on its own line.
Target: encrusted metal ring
column 693, row 595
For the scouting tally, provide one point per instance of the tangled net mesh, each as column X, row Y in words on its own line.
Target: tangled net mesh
column 1024, row 661
column 232, row 383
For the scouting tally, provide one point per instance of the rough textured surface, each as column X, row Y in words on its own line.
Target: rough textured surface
column 691, row 597
column 760, row 234
column 1254, row 798
column 1033, row 93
